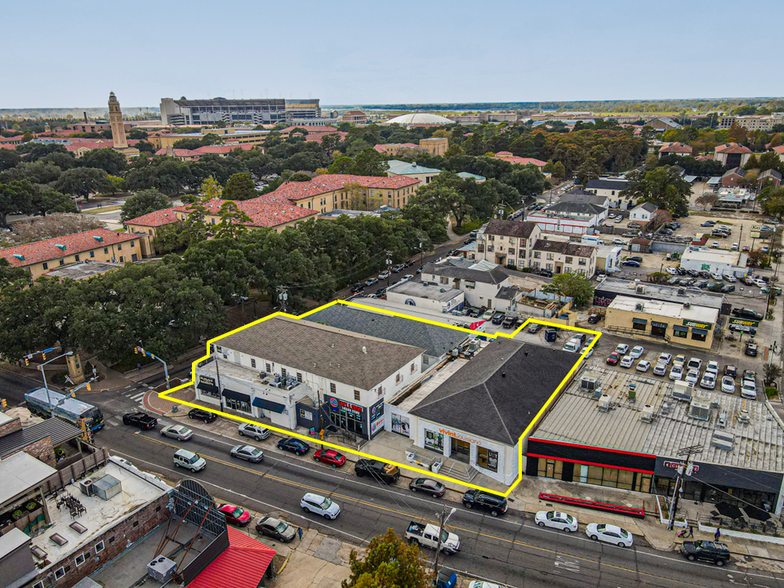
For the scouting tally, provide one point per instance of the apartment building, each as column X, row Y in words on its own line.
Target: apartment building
column 507, row 242
column 564, row 257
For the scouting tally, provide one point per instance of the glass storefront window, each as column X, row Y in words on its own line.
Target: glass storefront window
column 487, row 458
column 550, row 468
column 681, row 332
column 434, row 440
column 238, row 405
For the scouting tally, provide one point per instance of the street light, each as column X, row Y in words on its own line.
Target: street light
column 43, row 374
column 444, row 519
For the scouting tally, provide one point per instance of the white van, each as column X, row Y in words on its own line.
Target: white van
column 189, row 460
column 591, row 240
column 572, row 345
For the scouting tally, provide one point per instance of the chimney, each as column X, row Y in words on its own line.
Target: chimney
column 85, row 115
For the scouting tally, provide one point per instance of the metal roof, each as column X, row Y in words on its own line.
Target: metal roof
column 57, row 429
column 21, row 473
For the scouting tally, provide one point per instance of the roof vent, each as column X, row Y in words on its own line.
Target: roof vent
column 98, row 238
column 60, row 246
column 364, row 350
column 19, row 256
column 686, row 305
column 681, row 291
column 639, row 307
column 647, row 414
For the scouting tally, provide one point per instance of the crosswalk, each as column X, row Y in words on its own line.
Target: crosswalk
column 136, row 392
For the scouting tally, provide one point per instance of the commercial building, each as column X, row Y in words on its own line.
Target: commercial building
column 732, row 155
column 715, row 261
column 431, row 296
column 609, row 187
column 569, row 218
column 753, row 122
column 434, row 145
column 606, row 291
column 255, row 111
column 419, row 172
column 663, row 123
column 564, row 257
column 230, row 136
column 479, row 280
column 681, row 323
column 507, row 242
column 626, row 430
column 101, row 245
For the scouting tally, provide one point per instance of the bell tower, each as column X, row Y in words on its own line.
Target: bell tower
column 116, row 121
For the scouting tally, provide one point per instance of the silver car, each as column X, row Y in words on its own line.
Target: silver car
column 248, row 453
column 256, row 432
column 177, row 432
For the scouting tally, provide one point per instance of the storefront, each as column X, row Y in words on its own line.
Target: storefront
column 355, row 418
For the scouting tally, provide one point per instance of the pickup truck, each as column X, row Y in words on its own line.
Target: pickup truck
column 427, row 536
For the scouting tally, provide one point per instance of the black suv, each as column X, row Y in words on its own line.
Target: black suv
column 384, row 472
column 140, row 419
column 493, row 503
column 747, row 313
column 202, row 415
column 706, row 551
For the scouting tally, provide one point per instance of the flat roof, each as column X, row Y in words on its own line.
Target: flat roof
column 674, row 310
column 138, row 489
column 710, row 255
column 83, row 269
column 659, row 292
column 20, row 473
column 425, row 290
column 575, row 418
column 11, row 541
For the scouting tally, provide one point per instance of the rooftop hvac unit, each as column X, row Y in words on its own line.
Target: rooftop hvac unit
column 686, row 305
column 683, row 390
column 640, row 288
column 86, row 487
column 646, row 415
column 681, row 291
column 722, row 440
column 589, row 383
column 161, row 569
column 604, row 402
column 722, row 420
column 107, row 487
column 639, row 307
column 700, row 409
column 743, row 416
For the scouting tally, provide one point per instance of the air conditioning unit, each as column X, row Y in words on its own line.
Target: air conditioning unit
column 646, row 415
column 107, row 487
column 640, row 289
column 604, row 402
column 700, row 408
column 161, row 569
column 686, row 305
column 639, row 307
column 723, row 440
column 86, row 487
column 682, row 390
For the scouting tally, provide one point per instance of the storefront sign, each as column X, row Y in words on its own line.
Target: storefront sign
column 377, row 411
column 333, row 402
column 695, row 324
column 206, row 380
column 744, row 322
column 375, row 426
column 349, row 406
column 659, row 325
column 401, row 424
column 679, row 464
column 460, row 437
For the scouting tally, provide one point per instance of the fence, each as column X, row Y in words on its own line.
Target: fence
column 76, row 470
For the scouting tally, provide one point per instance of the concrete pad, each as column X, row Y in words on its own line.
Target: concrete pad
column 328, row 550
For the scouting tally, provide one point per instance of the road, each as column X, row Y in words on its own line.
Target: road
column 510, row 550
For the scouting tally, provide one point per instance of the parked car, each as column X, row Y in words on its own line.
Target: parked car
column 498, row 318
column 711, row 551
column 743, row 329
column 572, row 345
column 748, row 389
column 692, row 376
column 664, row 358
column 256, row 432
column 371, row 282
column 676, row 373
column 294, row 445
column 727, row 385
column 202, row 415
column 731, row 371
column 488, row 315
column 660, row 369
column 747, row 313
column 189, row 460
column 609, row 534
column 426, row 535
column 643, row 365
column 398, row 268
column 594, row 318
column 637, row 351
column 330, row 457
column 475, row 313
column 379, row 470
column 556, row 520
column 320, row 505
column 695, row 363
column 708, row 381
column 248, row 453
column 627, row 361
column 672, row 271
column 277, row 529
column 713, row 367
column 509, row 322
column 140, row 420
column 481, row 500
column 631, row 263
column 177, row 432
column 622, row 348
column 679, row 359
column 751, row 349
column 357, row 288
column 613, row 359
column 535, row 327
column 428, row 486
column 235, row 515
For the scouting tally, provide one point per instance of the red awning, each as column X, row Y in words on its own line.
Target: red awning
column 241, row 565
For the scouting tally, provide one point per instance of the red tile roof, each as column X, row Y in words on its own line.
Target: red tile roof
column 779, row 149
column 11, row 139
column 48, row 249
column 157, row 218
column 330, row 182
column 318, row 137
column 507, row 156
column 319, row 129
column 732, row 148
column 676, row 148
column 241, row 565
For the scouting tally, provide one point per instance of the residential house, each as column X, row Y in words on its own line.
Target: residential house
column 608, row 258
column 507, row 242
column 770, row 177
column 643, row 213
column 732, row 155
column 479, row 280
column 562, row 257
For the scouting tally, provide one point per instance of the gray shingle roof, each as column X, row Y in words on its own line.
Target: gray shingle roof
column 735, row 171
column 499, row 392
column 565, row 247
column 576, row 207
column 648, row 206
column 331, row 353
column 583, row 196
column 59, row 430
column 510, row 228
column 436, row 341
column 450, row 268
column 607, row 184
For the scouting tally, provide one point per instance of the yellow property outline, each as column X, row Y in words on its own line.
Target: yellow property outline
column 310, row 439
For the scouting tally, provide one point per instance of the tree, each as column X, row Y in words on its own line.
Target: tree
column 359, row 199
column 143, row 202
column 232, row 221
column 662, row 186
column 388, row 563
column 9, row 274
column 240, row 187
column 658, row 277
column 575, row 286
column 170, row 238
column 111, row 161
column 50, row 201
column 137, row 134
column 220, row 264
column 369, row 162
column 83, row 181
column 9, row 159
column 707, row 199
column 589, row 170
column 772, row 372
column 15, row 197
column 757, row 258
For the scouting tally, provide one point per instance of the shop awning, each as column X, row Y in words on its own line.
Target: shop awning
column 239, row 396
column 268, row 405
column 207, row 387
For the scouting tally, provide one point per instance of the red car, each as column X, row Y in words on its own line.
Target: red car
column 613, row 359
column 330, row 457
column 235, row 515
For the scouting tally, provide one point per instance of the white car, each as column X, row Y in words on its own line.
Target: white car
column 761, row 283
column 708, row 381
column 556, row 520
column 679, row 359
column 676, row 373
column 621, row 348
column 482, row 584
column 712, row 367
column 609, row 534
column 383, row 275
column 672, row 271
column 408, row 277
column 660, row 369
column 177, row 432
column 637, row 351
column 728, row 385
column 695, row 363
column 664, row 358
column 627, row 361
column 320, row 505
column 643, row 365
column 693, row 377
column 748, row 390
column 730, row 279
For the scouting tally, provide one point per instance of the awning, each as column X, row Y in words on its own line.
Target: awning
column 232, row 395
column 638, row 321
column 696, row 331
column 207, row 387
column 268, row 405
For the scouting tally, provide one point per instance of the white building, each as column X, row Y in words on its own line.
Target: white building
column 569, row 218
column 424, row 174
column 611, row 188
column 608, row 258
column 507, row 242
column 643, row 213
column 479, row 280
column 427, row 295
column 714, row 261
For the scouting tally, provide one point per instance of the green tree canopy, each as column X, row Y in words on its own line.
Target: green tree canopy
column 143, row 202
column 111, row 161
column 662, row 186
column 83, row 181
column 240, row 187
column 575, row 286
column 388, row 563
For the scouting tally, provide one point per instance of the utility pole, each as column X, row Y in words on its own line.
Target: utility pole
column 389, row 267
column 685, row 469
column 283, row 296
column 421, row 255
column 443, row 519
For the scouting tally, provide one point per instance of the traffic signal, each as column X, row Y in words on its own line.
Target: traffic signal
column 43, row 355
column 3, row 403
column 135, row 350
column 27, row 360
column 88, row 387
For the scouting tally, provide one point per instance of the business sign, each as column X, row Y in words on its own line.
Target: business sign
column 696, row 325
column 659, row 325
column 333, row 402
column 377, row 411
column 375, row 426
column 744, row 322
column 206, row 380
column 460, row 437
column 675, row 465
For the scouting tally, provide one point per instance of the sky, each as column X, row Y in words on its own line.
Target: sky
column 72, row 54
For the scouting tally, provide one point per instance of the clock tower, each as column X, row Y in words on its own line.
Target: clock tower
column 116, row 121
